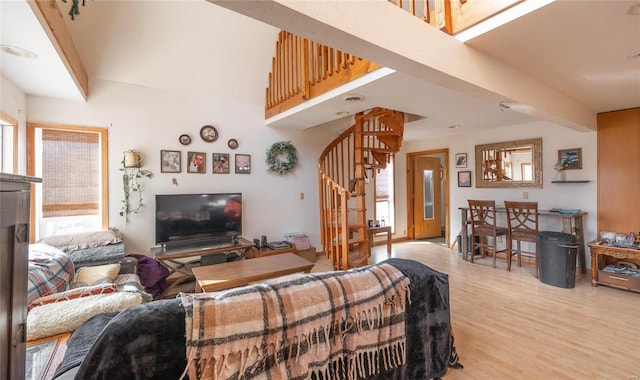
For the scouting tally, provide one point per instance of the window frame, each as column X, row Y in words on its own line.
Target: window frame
column 104, row 168
column 389, row 199
column 11, row 121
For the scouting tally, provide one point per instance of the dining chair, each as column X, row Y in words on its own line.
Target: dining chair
column 522, row 225
column 483, row 225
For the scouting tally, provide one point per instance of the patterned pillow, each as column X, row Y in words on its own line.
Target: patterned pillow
column 74, row 293
column 99, row 274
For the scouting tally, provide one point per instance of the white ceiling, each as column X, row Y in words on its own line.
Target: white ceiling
column 581, row 48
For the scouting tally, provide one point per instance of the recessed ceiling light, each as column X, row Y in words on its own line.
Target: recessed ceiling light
column 353, row 98
column 634, row 10
column 342, row 113
column 454, row 126
column 18, row 52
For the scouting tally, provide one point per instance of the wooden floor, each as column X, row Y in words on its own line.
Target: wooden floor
column 509, row 325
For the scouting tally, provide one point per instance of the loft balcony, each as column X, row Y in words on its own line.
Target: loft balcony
column 309, row 81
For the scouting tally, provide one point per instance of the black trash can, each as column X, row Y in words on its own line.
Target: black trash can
column 557, row 258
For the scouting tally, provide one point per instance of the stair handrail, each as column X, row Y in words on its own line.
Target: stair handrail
column 302, row 69
column 367, row 145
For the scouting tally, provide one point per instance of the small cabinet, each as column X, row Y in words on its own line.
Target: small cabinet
column 599, row 253
column 14, row 241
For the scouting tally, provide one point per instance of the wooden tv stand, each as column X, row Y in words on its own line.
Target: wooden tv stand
column 181, row 260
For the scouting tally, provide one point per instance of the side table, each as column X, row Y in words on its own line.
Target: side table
column 599, row 250
column 372, row 231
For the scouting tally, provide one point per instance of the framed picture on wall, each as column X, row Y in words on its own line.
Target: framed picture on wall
column 461, row 160
column 170, row 161
column 221, row 163
column 571, row 158
column 464, row 178
column 243, row 164
column 197, row 162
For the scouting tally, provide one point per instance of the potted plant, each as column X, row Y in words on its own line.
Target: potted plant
column 562, row 164
column 131, row 177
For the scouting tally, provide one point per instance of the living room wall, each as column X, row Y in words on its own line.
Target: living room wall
column 149, row 120
column 581, row 196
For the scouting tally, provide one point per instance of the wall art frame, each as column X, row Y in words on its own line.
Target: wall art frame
column 571, row 158
column 243, row 163
column 464, row 178
column 170, row 161
column 196, row 162
column 220, row 163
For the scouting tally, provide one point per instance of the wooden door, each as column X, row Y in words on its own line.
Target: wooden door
column 427, row 215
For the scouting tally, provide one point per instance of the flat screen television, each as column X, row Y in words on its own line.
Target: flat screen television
column 192, row 219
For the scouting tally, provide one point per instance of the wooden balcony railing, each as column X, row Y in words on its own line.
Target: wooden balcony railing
column 303, row 69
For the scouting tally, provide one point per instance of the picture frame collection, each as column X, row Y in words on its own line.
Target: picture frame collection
column 198, row 162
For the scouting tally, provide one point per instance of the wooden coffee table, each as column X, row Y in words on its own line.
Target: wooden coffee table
column 242, row 272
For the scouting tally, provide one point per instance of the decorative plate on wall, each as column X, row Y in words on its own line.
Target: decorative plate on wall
column 233, row 143
column 209, row 133
column 185, row 139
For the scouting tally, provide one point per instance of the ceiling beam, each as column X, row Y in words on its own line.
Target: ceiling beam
column 380, row 32
column 50, row 17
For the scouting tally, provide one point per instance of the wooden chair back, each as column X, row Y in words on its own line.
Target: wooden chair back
column 483, row 225
column 483, row 217
column 522, row 220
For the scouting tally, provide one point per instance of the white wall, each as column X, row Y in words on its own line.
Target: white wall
column 575, row 196
column 149, row 120
column 13, row 103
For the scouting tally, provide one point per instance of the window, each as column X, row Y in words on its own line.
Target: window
column 72, row 164
column 384, row 183
column 8, row 144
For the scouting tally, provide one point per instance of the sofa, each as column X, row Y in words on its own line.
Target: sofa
column 153, row 340
column 66, row 288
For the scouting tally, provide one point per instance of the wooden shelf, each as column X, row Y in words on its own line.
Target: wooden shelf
column 575, row 181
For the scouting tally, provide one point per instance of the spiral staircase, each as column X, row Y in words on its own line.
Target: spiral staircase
column 367, row 145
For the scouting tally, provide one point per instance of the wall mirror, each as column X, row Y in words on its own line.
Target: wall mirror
column 509, row 164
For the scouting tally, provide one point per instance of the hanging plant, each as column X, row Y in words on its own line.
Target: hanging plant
column 131, row 185
column 282, row 157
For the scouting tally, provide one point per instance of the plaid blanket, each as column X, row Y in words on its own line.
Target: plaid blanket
column 337, row 325
column 50, row 271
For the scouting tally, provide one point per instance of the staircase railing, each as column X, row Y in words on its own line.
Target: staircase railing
column 342, row 175
column 302, row 69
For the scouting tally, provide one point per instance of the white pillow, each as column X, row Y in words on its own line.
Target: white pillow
column 73, row 242
column 61, row 317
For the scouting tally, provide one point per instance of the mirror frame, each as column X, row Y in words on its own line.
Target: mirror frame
column 536, row 146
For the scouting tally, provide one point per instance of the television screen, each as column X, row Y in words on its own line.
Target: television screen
column 190, row 218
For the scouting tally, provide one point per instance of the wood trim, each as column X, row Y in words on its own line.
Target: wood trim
column 51, row 20
column 70, row 206
column 16, row 129
column 104, row 188
column 463, row 15
column 410, row 195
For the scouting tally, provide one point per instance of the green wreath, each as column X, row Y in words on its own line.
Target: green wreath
column 282, row 157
